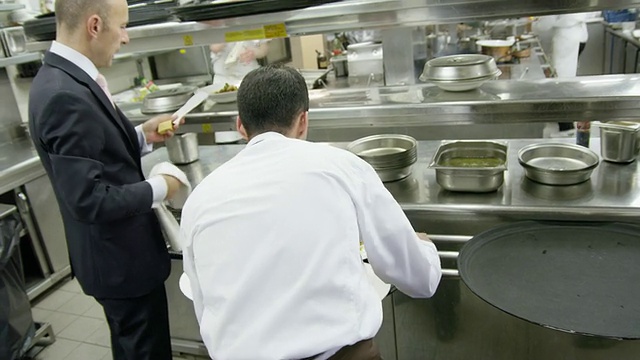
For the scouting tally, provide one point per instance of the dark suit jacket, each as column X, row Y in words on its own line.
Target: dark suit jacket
column 91, row 153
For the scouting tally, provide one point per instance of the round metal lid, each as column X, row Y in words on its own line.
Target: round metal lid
column 460, row 60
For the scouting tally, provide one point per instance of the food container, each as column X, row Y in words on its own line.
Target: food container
column 619, row 141
column 460, row 72
column 500, row 50
column 558, row 164
column 183, row 148
column 391, row 156
column 168, row 100
column 470, row 165
column 340, row 66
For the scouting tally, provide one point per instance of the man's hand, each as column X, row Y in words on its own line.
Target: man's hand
column 150, row 128
column 423, row 236
column 173, row 185
column 216, row 48
column 247, row 56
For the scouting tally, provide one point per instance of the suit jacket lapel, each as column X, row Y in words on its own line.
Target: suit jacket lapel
column 82, row 77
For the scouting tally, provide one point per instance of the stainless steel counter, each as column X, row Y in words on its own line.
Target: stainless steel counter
column 446, row 326
column 19, row 163
column 612, row 193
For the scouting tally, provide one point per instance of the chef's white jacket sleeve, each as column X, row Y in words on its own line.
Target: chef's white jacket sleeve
column 395, row 252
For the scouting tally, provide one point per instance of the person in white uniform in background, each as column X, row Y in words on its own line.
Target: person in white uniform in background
column 232, row 61
column 568, row 35
column 271, row 239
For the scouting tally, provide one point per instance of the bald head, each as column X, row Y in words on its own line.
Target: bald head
column 94, row 28
column 72, row 13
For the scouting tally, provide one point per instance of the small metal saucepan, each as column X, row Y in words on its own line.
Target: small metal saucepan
column 500, row 50
column 183, row 148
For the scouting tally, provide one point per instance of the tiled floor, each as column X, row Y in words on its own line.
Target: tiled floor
column 78, row 323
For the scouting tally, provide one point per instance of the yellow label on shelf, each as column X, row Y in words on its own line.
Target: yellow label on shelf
column 188, row 40
column 275, row 31
column 265, row 32
column 207, row 128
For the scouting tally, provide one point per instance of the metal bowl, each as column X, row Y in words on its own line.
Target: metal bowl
column 168, row 100
column 386, row 151
column 460, row 67
column 558, row 164
column 470, row 178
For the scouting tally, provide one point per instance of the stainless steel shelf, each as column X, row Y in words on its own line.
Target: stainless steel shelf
column 10, row 7
column 606, row 97
column 19, row 59
column 350, row 15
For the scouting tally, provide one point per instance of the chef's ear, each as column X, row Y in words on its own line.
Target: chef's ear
column 94, row 24
column 241, row 129
column 303, row 125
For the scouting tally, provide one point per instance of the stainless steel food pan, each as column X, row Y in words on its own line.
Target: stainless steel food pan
column 470, row 178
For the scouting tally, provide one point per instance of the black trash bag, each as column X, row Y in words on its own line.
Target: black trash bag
column 16, row 322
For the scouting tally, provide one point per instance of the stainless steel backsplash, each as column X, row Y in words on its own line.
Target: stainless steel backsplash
column 10, row 122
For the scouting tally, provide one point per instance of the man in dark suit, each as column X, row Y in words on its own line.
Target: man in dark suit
column 91, row 153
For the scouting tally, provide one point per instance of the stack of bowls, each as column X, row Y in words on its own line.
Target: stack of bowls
column 460, row 72
column 391, row 156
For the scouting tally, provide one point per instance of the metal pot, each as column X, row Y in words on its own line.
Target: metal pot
column 619, row 141
column 500, row 50
column 340, row 66
column 183, row 148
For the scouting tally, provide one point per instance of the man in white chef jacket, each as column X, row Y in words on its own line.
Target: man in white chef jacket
column 271, row 239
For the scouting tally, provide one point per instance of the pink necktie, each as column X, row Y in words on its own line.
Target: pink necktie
column 102, row 82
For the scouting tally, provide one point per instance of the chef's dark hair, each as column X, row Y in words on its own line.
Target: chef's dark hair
column 270, row 98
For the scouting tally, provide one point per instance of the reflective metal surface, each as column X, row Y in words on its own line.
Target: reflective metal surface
column 351, row 15
column 19, row 163
column 455, row 324
column 613, row 194
column 612, row 97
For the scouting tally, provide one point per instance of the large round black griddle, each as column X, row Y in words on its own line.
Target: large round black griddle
column 577, row 277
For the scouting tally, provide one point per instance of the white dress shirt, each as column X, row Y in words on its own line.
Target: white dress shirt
column 271, row 245
column 158, row 184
